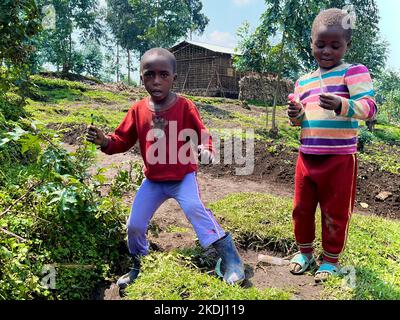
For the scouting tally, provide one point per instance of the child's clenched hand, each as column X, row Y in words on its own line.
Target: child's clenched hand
column 96, row 136
column 295, row 107
column 330, row 102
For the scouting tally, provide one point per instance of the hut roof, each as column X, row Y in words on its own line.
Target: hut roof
column 208, row 46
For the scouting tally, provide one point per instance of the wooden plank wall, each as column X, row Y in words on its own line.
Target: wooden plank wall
column 205, row 72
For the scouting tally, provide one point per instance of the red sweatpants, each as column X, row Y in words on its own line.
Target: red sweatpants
column 329, row 180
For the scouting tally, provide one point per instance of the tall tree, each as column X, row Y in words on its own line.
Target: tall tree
column 19, row 22
column 167, row 21
column 74, row 19
column 127, row 27
column 292, row 21
column 89, row 60
column 368, row 45
column 139, row 25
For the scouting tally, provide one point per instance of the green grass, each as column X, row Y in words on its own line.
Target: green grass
column 58, row 83
column 385, row 156
column 257, row 103
column 373, row 246
column 230, row 133
column 58, row 91
column 249, row 121
column 172, row 277
column 61, row 96
column 75, row 114
column 387, row 133
column 107, row 96
column 64, row 95
column 257, row 220
column 211, row 100
column 373, row 249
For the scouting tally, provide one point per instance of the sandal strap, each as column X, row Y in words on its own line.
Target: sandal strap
column 327, row 267
column 303, row 261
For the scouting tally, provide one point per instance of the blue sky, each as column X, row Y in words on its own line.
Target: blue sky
column 226, row 16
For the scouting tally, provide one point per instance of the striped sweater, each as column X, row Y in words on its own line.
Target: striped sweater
column 325, row 131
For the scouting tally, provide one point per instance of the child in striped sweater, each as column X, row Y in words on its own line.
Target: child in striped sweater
column 327, row 104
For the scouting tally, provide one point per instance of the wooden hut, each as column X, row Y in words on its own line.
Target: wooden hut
column 205, row 70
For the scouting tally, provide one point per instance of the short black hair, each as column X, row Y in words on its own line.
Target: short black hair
column 333, row 17
column 160, row 52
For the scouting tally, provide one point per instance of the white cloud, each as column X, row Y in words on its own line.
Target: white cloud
column 225, row 39
column 242, row 3
column 219, row 38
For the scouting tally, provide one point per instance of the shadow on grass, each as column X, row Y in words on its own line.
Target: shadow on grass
column 214, row 111
column 59, row 95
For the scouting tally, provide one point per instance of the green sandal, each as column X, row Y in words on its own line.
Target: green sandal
column 324, row 271
column 303, row 261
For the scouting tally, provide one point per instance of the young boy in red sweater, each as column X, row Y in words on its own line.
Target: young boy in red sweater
column 171, row 138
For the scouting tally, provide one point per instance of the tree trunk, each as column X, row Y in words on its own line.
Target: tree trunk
column 129, row 66
column 66, row 66
column 141, row 53
column 117, row 62
column 274, row 130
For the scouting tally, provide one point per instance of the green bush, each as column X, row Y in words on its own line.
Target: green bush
column 57, row 83
column 56, row 216
column 11, row 106
column 364, row 137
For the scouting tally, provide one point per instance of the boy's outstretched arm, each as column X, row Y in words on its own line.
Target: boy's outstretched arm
column 123, row 138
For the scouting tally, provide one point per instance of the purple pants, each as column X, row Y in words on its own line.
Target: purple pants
column 149, row 198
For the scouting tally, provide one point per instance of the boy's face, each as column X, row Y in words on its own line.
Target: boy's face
column 158, row 76
column 329, row 45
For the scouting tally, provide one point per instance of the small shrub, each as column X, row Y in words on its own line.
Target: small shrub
column 364, row 137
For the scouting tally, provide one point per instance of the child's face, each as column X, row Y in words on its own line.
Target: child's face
column 158, row 76
column 329, row 45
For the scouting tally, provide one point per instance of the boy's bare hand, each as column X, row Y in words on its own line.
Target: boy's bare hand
column 96, row 136
column 330, row 102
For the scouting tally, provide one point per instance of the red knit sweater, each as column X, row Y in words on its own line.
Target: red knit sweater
column 164, row 146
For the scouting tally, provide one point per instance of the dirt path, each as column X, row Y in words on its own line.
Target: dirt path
column 169, row 217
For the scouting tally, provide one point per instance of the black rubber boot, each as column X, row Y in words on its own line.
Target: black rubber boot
column 230, row 266
column 131, row 276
